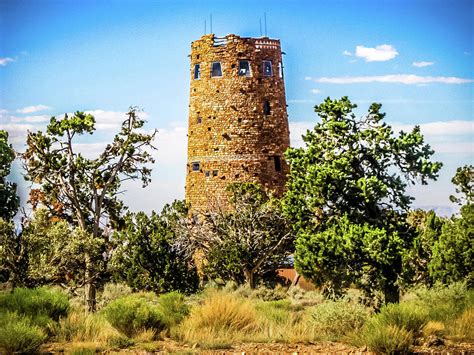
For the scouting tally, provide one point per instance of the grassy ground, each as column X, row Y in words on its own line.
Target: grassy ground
column 240, row 319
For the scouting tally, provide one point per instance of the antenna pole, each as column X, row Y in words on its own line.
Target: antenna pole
column 260, row 23
column 265, row 17
column 210, row 17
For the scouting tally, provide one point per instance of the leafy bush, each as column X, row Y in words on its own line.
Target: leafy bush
column 40, row 304
column 80, row 327
column 19, row 334
column 113, row 291
column 220, row 316
column 383, row 338
column 120, row 341
column 337, row 318
column 132, row 314
column 462, row 328
column 445, row 302
column 408, row 316
column 173, row 308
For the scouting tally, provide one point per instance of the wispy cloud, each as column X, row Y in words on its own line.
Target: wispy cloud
column 380, row 53
column 31, row 119
column 110, row 119
column 32, row 109
column 347, row 53
column 315, row 91
column 5, row 60
column 422, row 64
column 448, row 137
column 407, row 79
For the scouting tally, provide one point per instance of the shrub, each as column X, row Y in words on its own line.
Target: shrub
column 433, row 328
column 40, row 304
column 408, row 316
column 113, row 291
column 275, row 311
column 173, row 308
column 445, row 302
column 120, row 341
column 218, row 318
column 19, row 334
column 337, row 318
column 79, row 327
column 383, row 338
column 133, row 313
column 462, row 328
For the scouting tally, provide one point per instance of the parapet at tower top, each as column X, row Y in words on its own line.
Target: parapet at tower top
column 259, row 42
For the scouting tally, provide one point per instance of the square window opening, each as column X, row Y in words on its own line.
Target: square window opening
column 244, row 68
column 215, row 172
column 197, row 71
column 280, row 70
column 216, row 69
column 195, row 166
column 267, row 68
column 277, row 162
column 266, row 108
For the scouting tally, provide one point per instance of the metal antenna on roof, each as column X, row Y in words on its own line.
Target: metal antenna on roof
column 210, row 17
column 260, row 23
column 265, row 17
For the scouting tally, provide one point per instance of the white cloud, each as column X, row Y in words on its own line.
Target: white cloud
column 380, row 53
column 110, row 119
column 347, row 53
column 408, row 79
column 5, row 60
column 315, row 91
column 307, row 78
column 422, row 64
column 31, row 119
column 448, row 137
column 31, row 109
column 17, row 132
column 300, row 101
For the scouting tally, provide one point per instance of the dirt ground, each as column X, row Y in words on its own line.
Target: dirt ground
column 169, row 346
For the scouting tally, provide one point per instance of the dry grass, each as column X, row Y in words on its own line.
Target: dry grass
column 462, row 328
column 433, row 328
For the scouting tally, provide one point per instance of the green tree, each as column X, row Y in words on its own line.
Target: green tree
column 9, row 201
column 464, row 181
column 148, row 257
column 354, row 171
column 243, row 241
column 82, row 191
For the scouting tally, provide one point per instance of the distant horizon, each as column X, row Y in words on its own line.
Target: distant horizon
column 414, row 57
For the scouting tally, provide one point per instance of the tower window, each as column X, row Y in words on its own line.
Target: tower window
column 199, row 120
column 195, row 166
column 197, row 71
column 215, row 172
column 244, row 68
column 267, row 68
column 280, row 70
column 216, row 69
column 266, row 108
column 277, row 162
column 207, row 173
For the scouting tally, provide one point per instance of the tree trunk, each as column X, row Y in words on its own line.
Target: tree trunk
column 90, row 287
column 250, row 278
column 391, row 293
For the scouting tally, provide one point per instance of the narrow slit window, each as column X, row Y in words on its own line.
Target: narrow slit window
column 197, row 71
column 266, row 108
column 280, row 70
column 195, row 166
column 244, row 68
column 267, row 68
column 277, row 162
column 216, row 69
column 215, row 172
column 199, row 120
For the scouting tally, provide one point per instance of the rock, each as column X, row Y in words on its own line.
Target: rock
column 433, row 340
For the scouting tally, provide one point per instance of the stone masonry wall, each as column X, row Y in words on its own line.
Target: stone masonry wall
column 231, row 135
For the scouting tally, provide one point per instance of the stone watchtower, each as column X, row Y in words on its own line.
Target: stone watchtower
column 238, row 124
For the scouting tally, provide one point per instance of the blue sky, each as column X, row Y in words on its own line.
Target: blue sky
column 415, row 57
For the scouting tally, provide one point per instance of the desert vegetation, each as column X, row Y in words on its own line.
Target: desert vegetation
column 81, row 273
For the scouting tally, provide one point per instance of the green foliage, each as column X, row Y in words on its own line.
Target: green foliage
column 406, row 315
column 121, row 342
column 453, row 254
column 354, row 171
column 9, row 201
column 147, row 256
column 338, row 318
column 173, row 308
column 18, row 334
column 383, row 338
column 244, row 242
column 38, row 304
column 133, row 313
column 464, row 181
column 275, row 311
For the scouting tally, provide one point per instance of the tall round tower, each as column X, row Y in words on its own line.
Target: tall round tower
column 238, row 124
